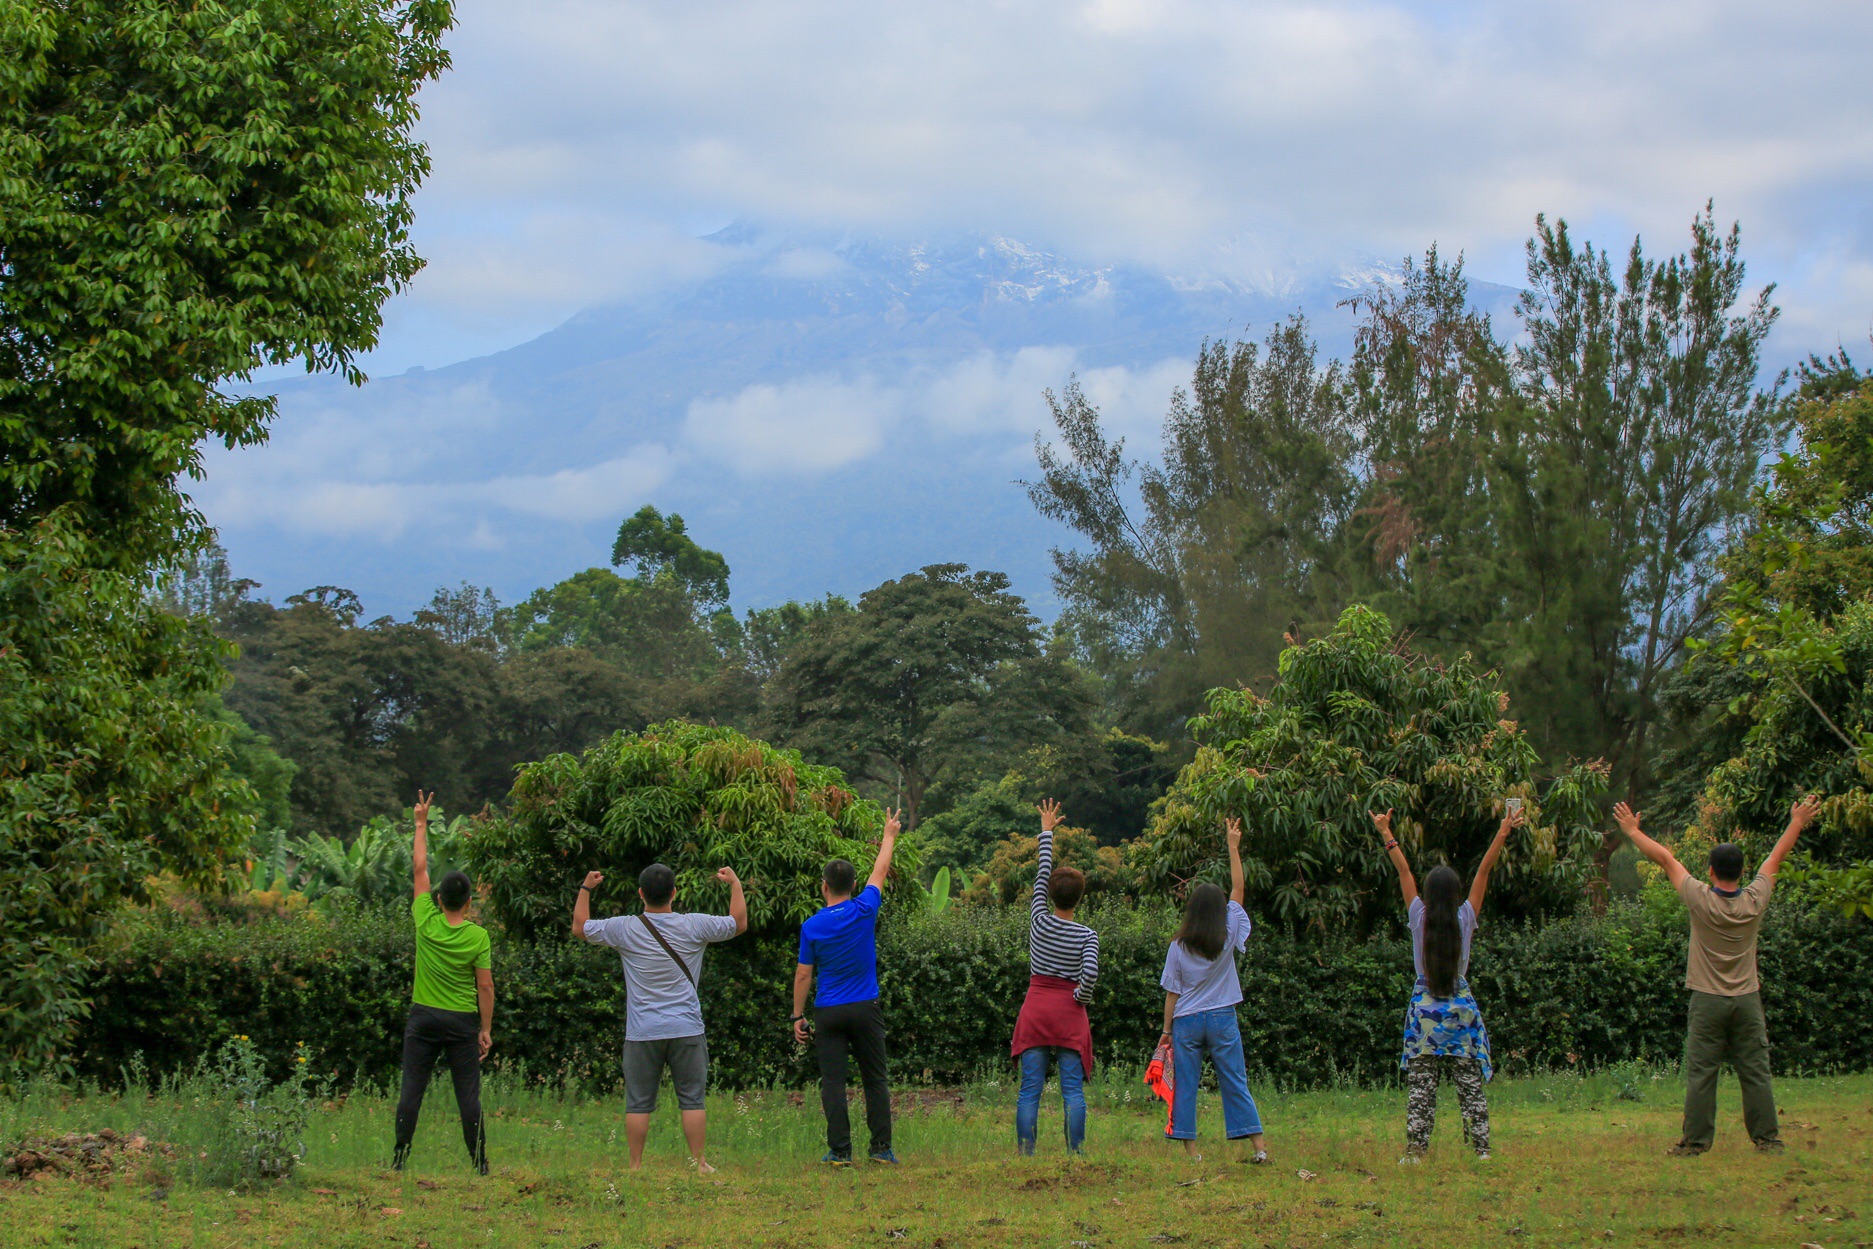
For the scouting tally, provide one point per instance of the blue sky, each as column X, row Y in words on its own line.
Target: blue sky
column 581, row 148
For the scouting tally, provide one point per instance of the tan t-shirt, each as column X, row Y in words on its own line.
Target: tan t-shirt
column 1723, row 936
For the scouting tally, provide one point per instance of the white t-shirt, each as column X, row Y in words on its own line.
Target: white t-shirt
column 660, row 1001
column 1207, row 984
column 1466, row 924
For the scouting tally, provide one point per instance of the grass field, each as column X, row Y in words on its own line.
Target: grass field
column 1576, row 1162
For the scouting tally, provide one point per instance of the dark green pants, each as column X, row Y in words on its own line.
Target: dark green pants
column 1732, row 1029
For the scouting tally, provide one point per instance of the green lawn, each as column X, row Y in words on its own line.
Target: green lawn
column 1576, row 1163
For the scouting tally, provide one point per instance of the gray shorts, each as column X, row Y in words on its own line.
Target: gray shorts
column 687, row 1057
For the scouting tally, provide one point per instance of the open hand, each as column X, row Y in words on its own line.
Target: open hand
column 1050, row 814
column 891, row 822
column 1232, row 829
column 726, row 875
column 421, row 810
column 1627, row 818
column 1802, row 814
column 1383, row 821
column 594, row 879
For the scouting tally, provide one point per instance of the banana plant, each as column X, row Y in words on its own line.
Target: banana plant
column 936, row 898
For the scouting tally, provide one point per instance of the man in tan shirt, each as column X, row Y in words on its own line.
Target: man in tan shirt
column 1725, row 1015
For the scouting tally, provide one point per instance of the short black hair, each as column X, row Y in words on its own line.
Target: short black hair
column 840, row 876
column 657, row 883
column 453, row 891
column 1726, row 861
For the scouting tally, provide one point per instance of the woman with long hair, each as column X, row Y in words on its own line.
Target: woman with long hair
column 1444, row 1033
column 1201, row 992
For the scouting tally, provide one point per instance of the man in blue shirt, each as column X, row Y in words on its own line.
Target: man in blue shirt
column 842, row 942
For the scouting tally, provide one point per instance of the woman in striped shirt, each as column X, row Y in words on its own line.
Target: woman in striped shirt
column 1063, row 962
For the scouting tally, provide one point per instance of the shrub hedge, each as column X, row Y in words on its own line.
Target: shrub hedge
column 1581, row 991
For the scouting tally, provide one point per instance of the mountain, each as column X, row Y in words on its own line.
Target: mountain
column 828, row 411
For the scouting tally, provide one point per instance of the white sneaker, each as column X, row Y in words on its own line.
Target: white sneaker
column 1410, row 1160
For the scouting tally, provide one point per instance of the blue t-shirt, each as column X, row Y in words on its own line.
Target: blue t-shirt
column 842, row 943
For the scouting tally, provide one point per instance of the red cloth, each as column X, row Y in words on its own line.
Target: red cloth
column 1051, row 1015
column 1160, row 1074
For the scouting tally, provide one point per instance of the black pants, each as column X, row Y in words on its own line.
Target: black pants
column 840, row 1031
column 431, row 1033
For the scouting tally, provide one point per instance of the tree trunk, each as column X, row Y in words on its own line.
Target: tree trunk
column 1599, row 881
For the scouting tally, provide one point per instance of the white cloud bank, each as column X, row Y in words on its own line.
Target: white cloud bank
column 578, row 144
column 381, row 476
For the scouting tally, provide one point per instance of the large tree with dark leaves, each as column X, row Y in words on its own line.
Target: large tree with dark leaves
column 931, row 679
column 189, row 192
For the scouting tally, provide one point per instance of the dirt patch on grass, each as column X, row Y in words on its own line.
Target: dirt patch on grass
column 80, row 1155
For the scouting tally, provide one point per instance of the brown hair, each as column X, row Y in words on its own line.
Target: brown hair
column 1066, row 887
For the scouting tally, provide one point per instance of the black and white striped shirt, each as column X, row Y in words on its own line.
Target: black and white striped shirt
column 1059, row 947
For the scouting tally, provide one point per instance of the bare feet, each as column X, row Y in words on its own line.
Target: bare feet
column 703, row 1168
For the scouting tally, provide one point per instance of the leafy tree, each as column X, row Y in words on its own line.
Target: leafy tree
column 366, row 713
column 1359, row 723
column 769, row 633
column 1190, row 583
column 469, row 616
column 691, row 796
column 252, row 758
column 660, row 547
column 1108, row 782
column 190, row 192
column 198, row 582
column 931, row 678
column 1644, row 397
column 964, row 836
column 1008, row 875
column 648, row 628
column 1779, row 704
column 112, row 772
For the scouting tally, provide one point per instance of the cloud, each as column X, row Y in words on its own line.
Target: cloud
column 991, row 402
column 812, row 424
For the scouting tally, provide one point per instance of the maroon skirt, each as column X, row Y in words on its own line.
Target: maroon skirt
column 1051, row 1015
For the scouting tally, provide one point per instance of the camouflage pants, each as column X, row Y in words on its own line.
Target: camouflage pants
column 1422, row 1074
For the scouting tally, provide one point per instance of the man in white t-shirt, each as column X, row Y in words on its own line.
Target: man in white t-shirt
column 662, row 955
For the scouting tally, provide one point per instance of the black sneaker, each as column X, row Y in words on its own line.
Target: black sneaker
column 399, row 1156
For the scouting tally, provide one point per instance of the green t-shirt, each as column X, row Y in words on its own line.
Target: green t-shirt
column 446, row 958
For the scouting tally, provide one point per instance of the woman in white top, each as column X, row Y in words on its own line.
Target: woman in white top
column 1200, row 997
column 1444, row 1033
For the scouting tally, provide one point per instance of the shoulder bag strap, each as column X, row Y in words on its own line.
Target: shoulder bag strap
column 674, row 957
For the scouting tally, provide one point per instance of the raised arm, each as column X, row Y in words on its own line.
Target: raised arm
column 737, row 900
column 886, row 848
column 1800, row 816
column 1480, row 886
column 1050, row 816
column 1238, row 886
column 420, row 855
column 582, row 906
column 1629, row 824
column 1406, row 885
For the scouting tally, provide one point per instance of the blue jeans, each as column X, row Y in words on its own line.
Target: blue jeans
column 1212, row 1032
column 1072, row 1092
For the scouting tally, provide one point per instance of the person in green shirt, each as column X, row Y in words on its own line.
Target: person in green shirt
column 451, row 1002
